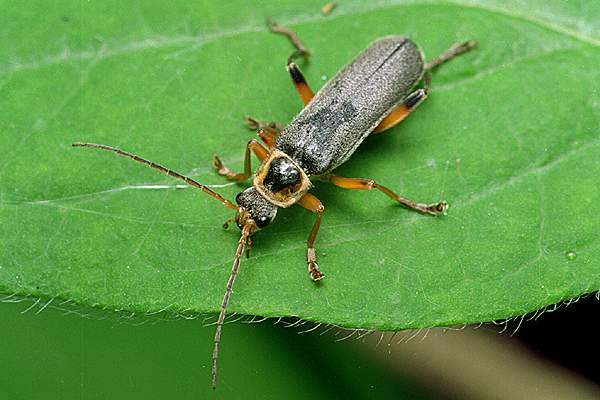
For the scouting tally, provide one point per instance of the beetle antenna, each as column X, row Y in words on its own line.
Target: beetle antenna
column 160, row 168
column 234, row 270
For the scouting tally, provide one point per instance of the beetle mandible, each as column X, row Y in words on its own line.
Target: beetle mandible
column 371, row 94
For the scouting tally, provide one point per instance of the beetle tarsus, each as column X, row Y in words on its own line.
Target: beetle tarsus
column 226, row 223
column 315, row 273
column 248, row 246
column 222, row 169
column 301, row 50
column 438, row 208
column 255, row 124
column 313, row 268
column 252, row 123
column 252, row 147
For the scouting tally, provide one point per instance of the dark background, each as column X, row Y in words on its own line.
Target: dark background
column 567, row 336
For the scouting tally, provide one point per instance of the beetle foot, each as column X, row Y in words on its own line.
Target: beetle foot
column 438, row 208
column 256, row 124
column 248, row 246
column 229, row 221
column 313, row 268
column 252, row 123
column 221, row 169
column 314, row 271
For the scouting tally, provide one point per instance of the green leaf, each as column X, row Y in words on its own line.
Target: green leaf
column 509, row 136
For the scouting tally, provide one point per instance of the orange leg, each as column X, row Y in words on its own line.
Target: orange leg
column 311, row 203
column 305, row 92
column 414, row 99
column 267, row 131
column 268, row 136
column 398, row 114
column 253, row 146
column 368, row 184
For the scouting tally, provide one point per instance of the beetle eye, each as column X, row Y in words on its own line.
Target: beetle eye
column 261, row 222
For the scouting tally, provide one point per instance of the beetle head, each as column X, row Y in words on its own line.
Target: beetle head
column 254, row 206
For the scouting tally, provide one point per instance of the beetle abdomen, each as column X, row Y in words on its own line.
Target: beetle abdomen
column 343, row 113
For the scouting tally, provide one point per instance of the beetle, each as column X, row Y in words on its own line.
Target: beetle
column 371, row 94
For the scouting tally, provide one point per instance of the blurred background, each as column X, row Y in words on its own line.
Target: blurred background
column 51, row 351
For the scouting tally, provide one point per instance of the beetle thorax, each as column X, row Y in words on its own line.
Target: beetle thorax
column 280, row 180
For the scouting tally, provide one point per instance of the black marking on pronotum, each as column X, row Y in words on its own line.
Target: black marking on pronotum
column 282, row 174
column 363, row 98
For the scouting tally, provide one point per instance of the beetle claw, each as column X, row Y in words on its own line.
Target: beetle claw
column 222, row 169
column 217, row 163
column 313, row 268
column 438, row 208
column 314, row 271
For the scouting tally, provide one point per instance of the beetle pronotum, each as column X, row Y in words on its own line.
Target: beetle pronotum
column 371, row 94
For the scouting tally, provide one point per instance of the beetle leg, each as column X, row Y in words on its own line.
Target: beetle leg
column 368, row 184
column 255, row 124
column 302, row 87
column 248, row 246
column 398, row 114
column 268, row 136
column 449, row 54
column 311, row 203
column 301, row 50
column 305, row 92
column 253, row 146
column 455, row 50
column 267, row 131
